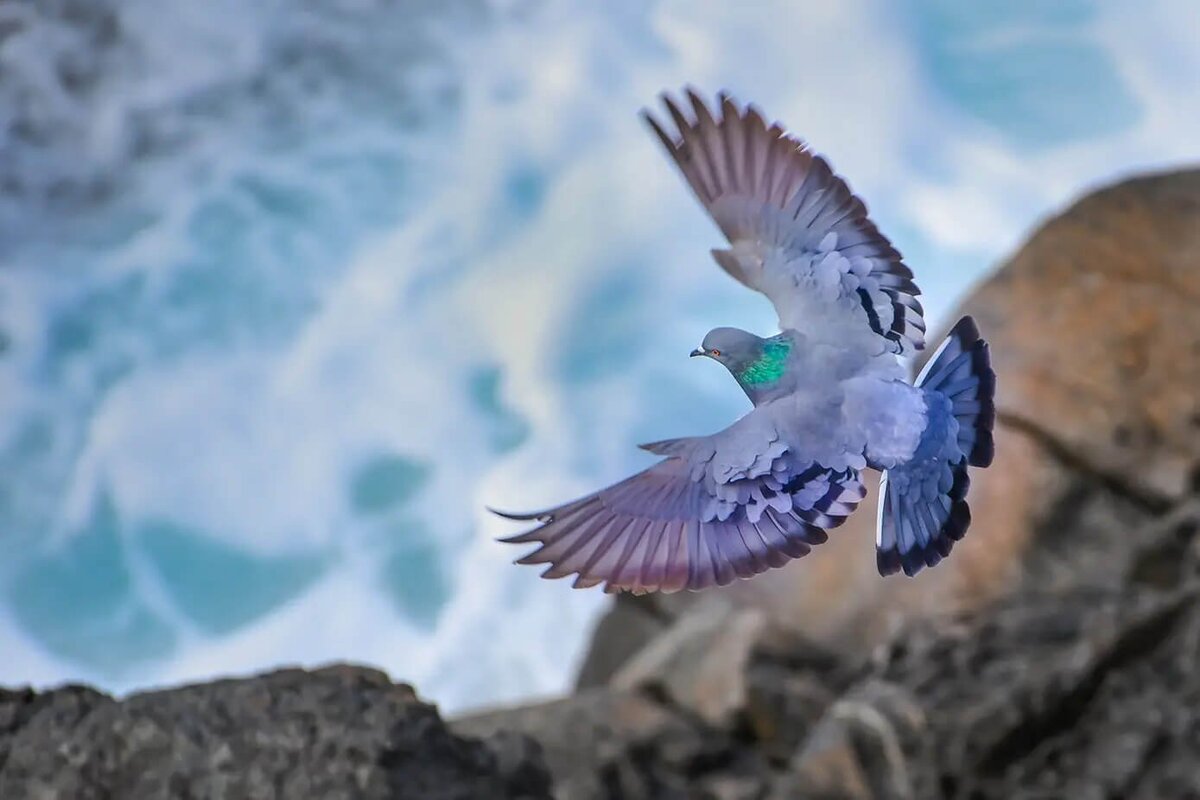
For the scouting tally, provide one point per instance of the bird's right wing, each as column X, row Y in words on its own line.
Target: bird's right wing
column 718, row 507
column 798, row 234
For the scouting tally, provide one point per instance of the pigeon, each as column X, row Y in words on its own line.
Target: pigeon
column 831, row 392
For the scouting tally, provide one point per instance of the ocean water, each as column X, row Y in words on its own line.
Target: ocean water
column 289, row 292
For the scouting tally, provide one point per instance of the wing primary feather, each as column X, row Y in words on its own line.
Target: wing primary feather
column 712, row 548
column 726, row 543
column 565, row 541
column 673, row 570
column 776, row 165
column 700, row 179
column 631, row 546
column 666, row 140
column 720, row 546
column 757, row 549
column 706, row 129
column 544, row 532
column 541, row 516
column 586, row 572
column 691, row 534
column 587, row 535
column 773, row 536
column 731, row 121
column 648, row 575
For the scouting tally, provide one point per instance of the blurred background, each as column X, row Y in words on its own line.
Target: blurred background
column 290, row 291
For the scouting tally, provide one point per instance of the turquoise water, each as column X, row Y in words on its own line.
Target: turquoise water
column 1028, row 70
column 289, row 293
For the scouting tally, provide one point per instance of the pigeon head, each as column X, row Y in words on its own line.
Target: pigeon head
column 757, row 364
column 733, row 347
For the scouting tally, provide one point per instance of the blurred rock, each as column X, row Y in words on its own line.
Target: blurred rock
column 1093, row 328
column 1096, row 343
column 866, row 745
column 1086, row 694
column 619, row 635
column 341, row 732
column 783, row 707
column 588, row 739
column 603, row 743
column 699, row 664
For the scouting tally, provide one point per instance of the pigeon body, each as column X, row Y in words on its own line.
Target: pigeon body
column 831, row 396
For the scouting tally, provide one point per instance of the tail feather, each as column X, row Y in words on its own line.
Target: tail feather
column 923, row 509
column 961, row 370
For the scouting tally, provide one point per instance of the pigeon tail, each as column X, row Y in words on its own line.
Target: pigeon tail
column 923, row 509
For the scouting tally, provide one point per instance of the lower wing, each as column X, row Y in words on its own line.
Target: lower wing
column 663, row 530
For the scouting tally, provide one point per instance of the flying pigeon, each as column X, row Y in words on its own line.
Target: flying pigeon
column 831, row 394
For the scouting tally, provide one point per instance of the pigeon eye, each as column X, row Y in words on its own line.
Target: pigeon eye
column 715, row 352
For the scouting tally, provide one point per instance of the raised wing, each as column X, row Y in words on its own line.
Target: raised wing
column 719, row 507
column 798, row 234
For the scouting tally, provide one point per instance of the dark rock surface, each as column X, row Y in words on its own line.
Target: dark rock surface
column 615, row 743
column 340, row 732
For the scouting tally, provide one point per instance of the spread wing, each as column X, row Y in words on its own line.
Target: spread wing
column 798, row 234
column 718, row 507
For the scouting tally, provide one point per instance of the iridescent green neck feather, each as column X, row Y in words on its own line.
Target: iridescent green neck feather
column 770, row 366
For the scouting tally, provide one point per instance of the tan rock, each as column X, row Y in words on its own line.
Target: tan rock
column 1096, row 336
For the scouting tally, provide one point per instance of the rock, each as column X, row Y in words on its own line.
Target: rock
column 783, row 707
column 340, row 732
column 790, row 682
column 587, row 738
column 680, row 719
column 1093, row 328
column 1170, row 552
column 1096, row 344
column 699, row 663
column 602, row 743
column 620, row 634
column 1087, row 694
column 1083, row 692
column 733, row 787
column 865, row 746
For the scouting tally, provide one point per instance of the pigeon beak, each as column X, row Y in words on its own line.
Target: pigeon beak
column 699, row 351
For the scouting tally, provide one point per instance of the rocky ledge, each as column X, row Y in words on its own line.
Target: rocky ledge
column 1056, row 654
column 337, row 733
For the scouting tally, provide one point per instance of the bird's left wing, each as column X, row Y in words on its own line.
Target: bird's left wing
column 798, row 234
column 718, row 507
